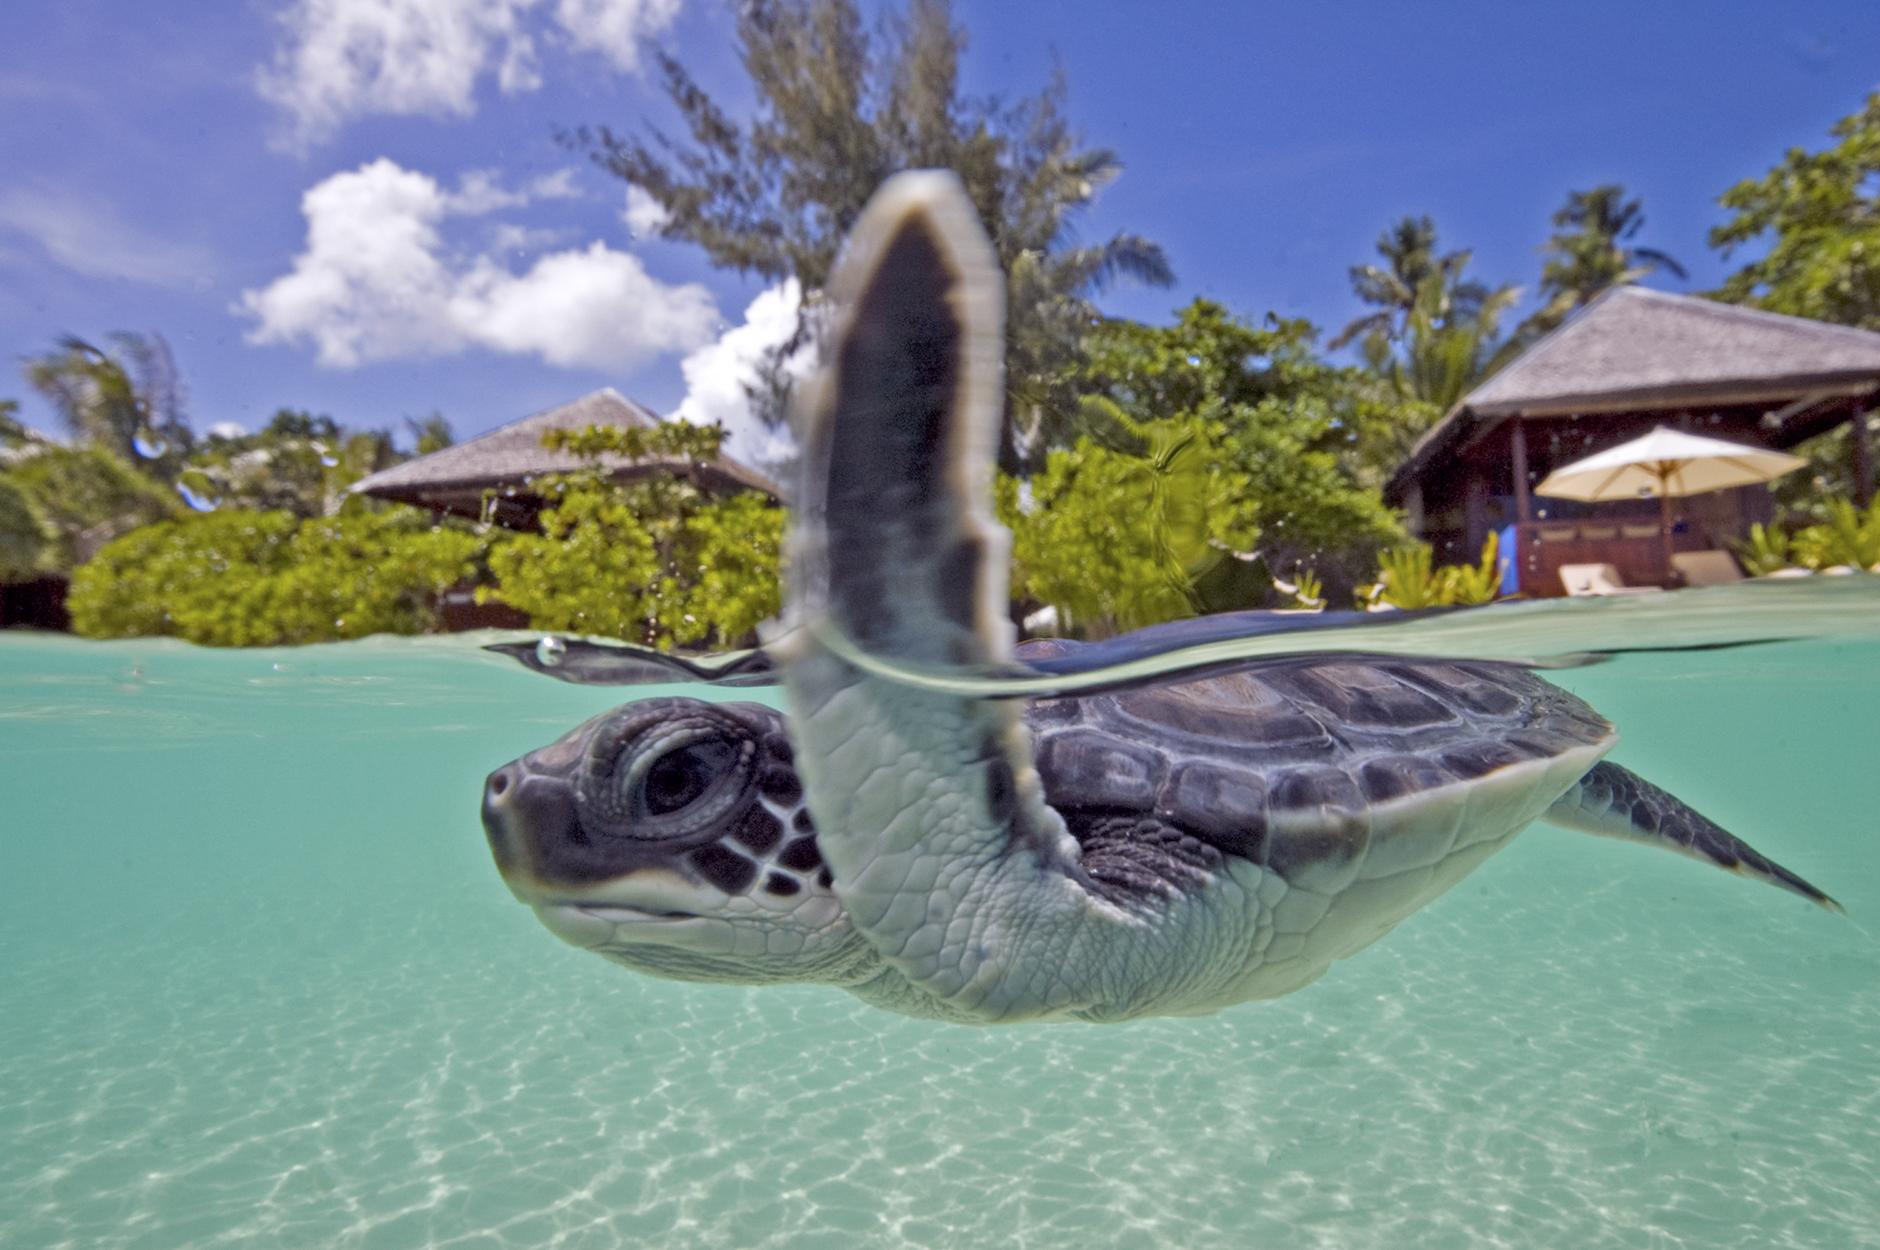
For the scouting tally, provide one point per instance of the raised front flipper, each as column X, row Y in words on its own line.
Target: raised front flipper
column 1614, row 803
column 928, row 809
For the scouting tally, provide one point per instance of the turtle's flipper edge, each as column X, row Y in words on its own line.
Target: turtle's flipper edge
column 588, row 663
column 1613, row 802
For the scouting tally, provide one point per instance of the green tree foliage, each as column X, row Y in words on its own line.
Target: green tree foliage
column 13, row 431
column 837, row 109
column 84, row 497
column 240, row 578
column 1208, row 438
column 655, row 560
column 1115, row 540
column 1817, row 216
column 1589, row 253
column 26, row 545
column 126, row 398
column 299, row 463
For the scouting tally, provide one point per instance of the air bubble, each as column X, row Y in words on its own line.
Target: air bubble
column 551, row 651
column 148, row 444
column 199, row 492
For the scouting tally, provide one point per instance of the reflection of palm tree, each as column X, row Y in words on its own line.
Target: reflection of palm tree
column 1588, row 254
column 127, row 400
column 1411, row 264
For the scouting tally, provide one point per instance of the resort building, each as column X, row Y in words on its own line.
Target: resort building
column 492, row 476
column 1631, row 360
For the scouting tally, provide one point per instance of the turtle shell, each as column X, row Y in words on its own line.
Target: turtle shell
column 1318, row 766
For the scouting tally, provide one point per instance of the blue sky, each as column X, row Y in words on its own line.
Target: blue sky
column 378, row 239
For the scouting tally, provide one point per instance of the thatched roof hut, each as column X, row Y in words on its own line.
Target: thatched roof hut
column 500, row 467
column 1631, row 359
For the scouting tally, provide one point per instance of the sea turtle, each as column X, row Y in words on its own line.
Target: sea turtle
column 1165, row 849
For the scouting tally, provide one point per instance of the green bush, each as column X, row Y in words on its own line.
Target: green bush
column 266, row 578
column 1117, row 540
column 1407, row 578
column 1766, row 550
column 84, row 496
column 655, row 561
column 1849, row 537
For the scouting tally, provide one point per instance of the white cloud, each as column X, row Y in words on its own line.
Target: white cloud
column 718, row 376
column 378, row 281
column 643, row 214
column 556, row 186
column 614, row 28
column 342, row 59
column 87, row 236
column 509, row 237
column 597, row 307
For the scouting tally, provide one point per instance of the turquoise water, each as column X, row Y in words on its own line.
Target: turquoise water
column 260, row 986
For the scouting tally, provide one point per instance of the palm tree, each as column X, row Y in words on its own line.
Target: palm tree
column 13, row 431
column 1445, row 349
column 1588, row 255
column 1394, row 288
column 430, row 433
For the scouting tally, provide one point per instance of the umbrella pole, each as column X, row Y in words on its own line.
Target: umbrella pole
column 1664, row 525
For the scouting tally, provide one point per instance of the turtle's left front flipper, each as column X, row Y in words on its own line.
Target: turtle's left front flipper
column 1615, row 803
column 928, row 809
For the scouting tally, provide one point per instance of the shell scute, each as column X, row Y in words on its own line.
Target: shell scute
column 1399, row 776
column 1364, row 696
column 1322, row 828
column 1482, row 756
column 1236, row 709
column 1224, row 805
column 1102, row 770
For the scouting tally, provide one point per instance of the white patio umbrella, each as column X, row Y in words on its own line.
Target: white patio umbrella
column 1669, row 464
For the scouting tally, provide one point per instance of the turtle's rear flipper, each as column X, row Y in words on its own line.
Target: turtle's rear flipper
column 1615, row 803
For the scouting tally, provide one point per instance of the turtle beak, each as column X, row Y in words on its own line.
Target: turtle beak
column 523, row 813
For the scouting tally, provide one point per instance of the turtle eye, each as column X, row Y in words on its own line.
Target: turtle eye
column 681, row 777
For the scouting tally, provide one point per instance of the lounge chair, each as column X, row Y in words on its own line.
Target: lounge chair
column 1582, row 580
column 1706, row 568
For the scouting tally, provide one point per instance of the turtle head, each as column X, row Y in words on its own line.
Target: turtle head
column 670, row 835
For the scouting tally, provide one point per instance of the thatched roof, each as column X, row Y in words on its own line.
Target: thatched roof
column 506, row 459
column 1636, row 350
